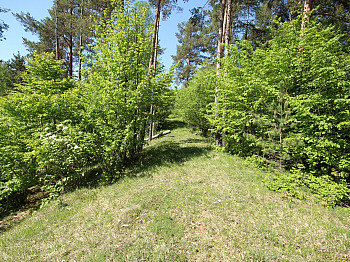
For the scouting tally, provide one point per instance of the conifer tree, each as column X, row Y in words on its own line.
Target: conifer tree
column 11, row 73
column 66, row 30
column 193, row 45
column 3, row 25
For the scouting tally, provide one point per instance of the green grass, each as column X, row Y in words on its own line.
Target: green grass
column 182, row 201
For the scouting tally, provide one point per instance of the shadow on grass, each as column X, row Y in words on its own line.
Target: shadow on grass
column 161, row 153
column 173, row 124
column 169, row 152
column 195, row 140
column 166, row 153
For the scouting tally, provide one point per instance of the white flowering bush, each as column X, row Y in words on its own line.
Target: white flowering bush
column 61, row 157
column 28, row 115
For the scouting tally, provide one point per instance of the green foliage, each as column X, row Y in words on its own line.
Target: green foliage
column 184, row 202
column 288, row 103
column 58, row 133
column 6, row 81
column 10, row 73
column 39, row 104
column 295, row 182
column 193, row 45
column 192, row 101
column 119, row 91
column 65, row 30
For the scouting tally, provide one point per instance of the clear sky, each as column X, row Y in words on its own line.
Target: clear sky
column 38, row 9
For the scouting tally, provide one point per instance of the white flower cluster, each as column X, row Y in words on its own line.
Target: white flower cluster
column 53, row 139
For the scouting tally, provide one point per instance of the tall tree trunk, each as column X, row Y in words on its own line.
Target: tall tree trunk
column 153, row 58
column 152, row 65
column 227, row 40
column 224, row 37
column 246, row 25
column 188, row 73
column 71, row 44
column 80, row 56
column 228, row 26
column 56, row 32
column 155, row 47
column 219, row 52
column 306, row 14
column 219, row 55
column 80, row 41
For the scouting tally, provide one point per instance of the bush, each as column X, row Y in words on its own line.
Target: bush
column 192, row 101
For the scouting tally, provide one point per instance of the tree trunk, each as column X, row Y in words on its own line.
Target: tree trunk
column 159, row 135
column 219, row 52
column 247, row 23
column 56, row 32
column 153, row 58
column 224, row 37
column 188, row 73
column 80, row 41
column 152, row 65
column 228, row 26
column 306, row 14
column 219, row 55
column 71, row 44
column 227, row 39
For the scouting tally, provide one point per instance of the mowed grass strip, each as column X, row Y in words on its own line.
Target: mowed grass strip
column 182, row 201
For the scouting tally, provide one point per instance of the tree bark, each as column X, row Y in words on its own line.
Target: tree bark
column 247, row 23
column 228, row 26
column 224, row 37
column 153, row 58
column 306, row 14
column 219, row 52
column 227, row 38
column 80, row 41
column 219, row 55
column 152, row 65
column 70, row 41
column 56, row 32
column 159, row 135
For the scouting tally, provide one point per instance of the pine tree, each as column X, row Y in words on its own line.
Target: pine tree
column 11, row 73
column 66, row 30
column 273, row 122
column 193, row 44
column 6, row 82
column 3, row 25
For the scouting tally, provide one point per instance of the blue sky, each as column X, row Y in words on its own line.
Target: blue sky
column 38, row 9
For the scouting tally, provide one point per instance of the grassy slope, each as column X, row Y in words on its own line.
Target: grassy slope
column 185, row 202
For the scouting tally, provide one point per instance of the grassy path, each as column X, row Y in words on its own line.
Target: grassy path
column 183, row 202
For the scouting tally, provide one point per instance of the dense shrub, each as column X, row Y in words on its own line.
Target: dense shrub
column 192, row 101
column 44, row 100
column 284, row 104
column 288, row 102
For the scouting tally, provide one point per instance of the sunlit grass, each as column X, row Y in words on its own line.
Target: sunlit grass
column 183, row 202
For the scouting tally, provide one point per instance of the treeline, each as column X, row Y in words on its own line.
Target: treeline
column 282, row 101
column 58, row 133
